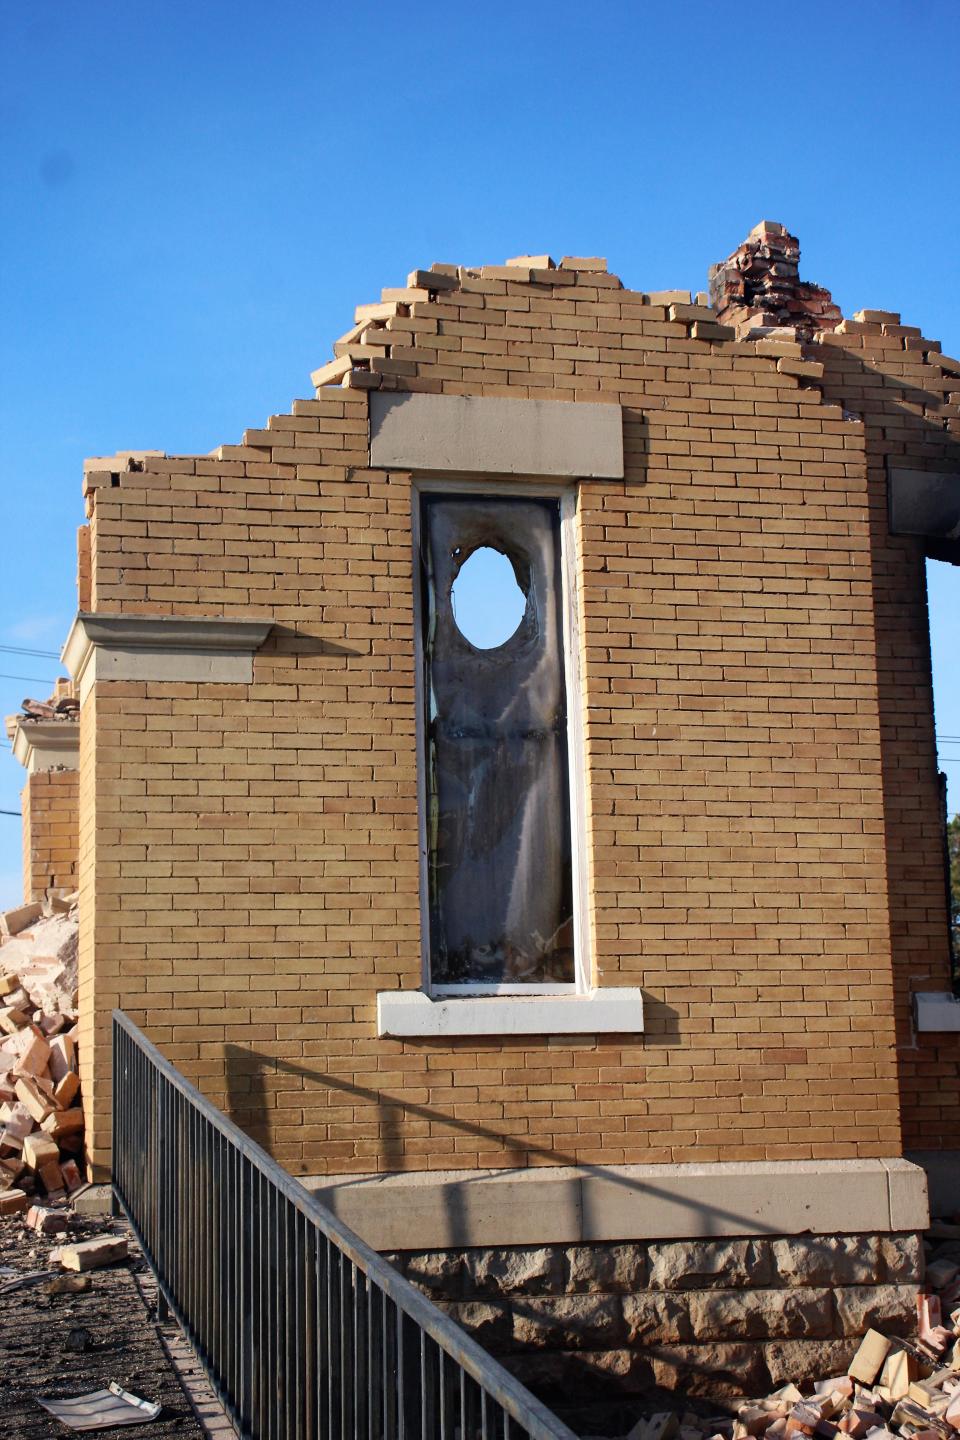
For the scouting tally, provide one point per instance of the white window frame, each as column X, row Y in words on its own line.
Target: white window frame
column 581, row 1008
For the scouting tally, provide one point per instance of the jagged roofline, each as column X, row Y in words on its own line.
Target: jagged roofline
column 380, row 328
column 378, row 351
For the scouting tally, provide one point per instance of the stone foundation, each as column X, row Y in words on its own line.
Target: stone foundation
column 713, row 1318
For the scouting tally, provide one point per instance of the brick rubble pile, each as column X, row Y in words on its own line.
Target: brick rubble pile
column 41, row 1113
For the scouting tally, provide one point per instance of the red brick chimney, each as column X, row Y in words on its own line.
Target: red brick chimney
column 758, row 290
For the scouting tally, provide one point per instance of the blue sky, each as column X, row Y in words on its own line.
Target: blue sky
column 195, row 196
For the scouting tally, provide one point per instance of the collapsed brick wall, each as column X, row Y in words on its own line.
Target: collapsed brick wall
column 705, row 1317
column 255, row 848
column 50, row 807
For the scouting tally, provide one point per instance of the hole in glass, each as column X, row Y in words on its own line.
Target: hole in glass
column 488, row 604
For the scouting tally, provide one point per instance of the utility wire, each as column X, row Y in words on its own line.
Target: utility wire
column 27, row 679
column 18, row 813
column 25, row 650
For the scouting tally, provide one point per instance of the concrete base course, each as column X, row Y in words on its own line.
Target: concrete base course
column 718, row 1318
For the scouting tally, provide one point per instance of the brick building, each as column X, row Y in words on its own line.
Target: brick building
column 46, row 740
column 605, row 938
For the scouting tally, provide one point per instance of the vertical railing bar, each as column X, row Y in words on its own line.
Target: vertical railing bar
column 259, row 1357
column 389, row 1375
column 345, row 1370
column 309, row 1327
column 424, row 1386
column 401, row 1375
column 274, row 1343
column 330, row 1334
column 290, row 1388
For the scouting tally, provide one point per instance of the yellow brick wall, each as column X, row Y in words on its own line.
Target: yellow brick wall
column 909, row 398
column 49, row 804
column 255, row 847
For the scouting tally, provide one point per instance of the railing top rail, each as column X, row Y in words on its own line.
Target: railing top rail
column 535, row 1417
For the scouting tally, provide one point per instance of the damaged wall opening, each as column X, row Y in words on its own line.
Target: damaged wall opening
column 499, row 854
column 488, row 603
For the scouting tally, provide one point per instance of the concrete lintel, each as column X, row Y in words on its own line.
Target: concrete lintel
column 557, row 1205
column 611, row 1010
column 46, row 744
column 162, row 648
column 469, row 435
column 936, row 1010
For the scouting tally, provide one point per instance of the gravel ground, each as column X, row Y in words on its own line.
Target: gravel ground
column 65, row 1345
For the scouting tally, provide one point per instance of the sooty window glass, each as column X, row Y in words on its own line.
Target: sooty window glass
column 498, row 837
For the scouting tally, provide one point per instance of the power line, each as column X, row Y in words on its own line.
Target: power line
column 18, row 813
column 28, row 679
column 25, row 650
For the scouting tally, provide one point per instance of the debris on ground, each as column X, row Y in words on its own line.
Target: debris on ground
column 41, row 1112
column 91, row 1254
column 102, row 1409
column 70, row 1334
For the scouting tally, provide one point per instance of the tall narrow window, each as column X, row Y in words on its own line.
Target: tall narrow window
column 499, row 869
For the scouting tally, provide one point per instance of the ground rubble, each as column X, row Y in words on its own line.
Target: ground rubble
column 41, row 1110
column 66, row 1331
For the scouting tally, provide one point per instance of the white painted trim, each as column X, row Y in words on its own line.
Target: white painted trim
column 601, row 1012
column 569, row 1205
column 162, row 648
column 580, row 855
column 420, row 701
column 495, row 436
column 936, row 1010
column 441, row 992
column 46, row 744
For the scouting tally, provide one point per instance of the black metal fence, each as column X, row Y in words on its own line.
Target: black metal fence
column 305, row 1332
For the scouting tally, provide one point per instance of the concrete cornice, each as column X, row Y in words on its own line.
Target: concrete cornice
column 46, row 744
column 162, row 648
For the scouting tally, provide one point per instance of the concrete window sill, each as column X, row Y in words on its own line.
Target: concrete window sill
column 936, row 1010
column 608, row 1011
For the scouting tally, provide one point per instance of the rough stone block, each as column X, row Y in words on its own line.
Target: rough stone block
column 902, row 1257
column 613, row 1269
column 603, row 1374
column 436, row 1271
column 697, row 1264
column 489, row 1323
column 568, row 1322
column 827, row 1260
column 805, row 1361
column 656, row 1317
column 529, row 1270
column 888, row 1308
column 760, row 1314
column 723, row 1369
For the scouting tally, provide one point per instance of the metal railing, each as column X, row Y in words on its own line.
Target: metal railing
column 304, row 1331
